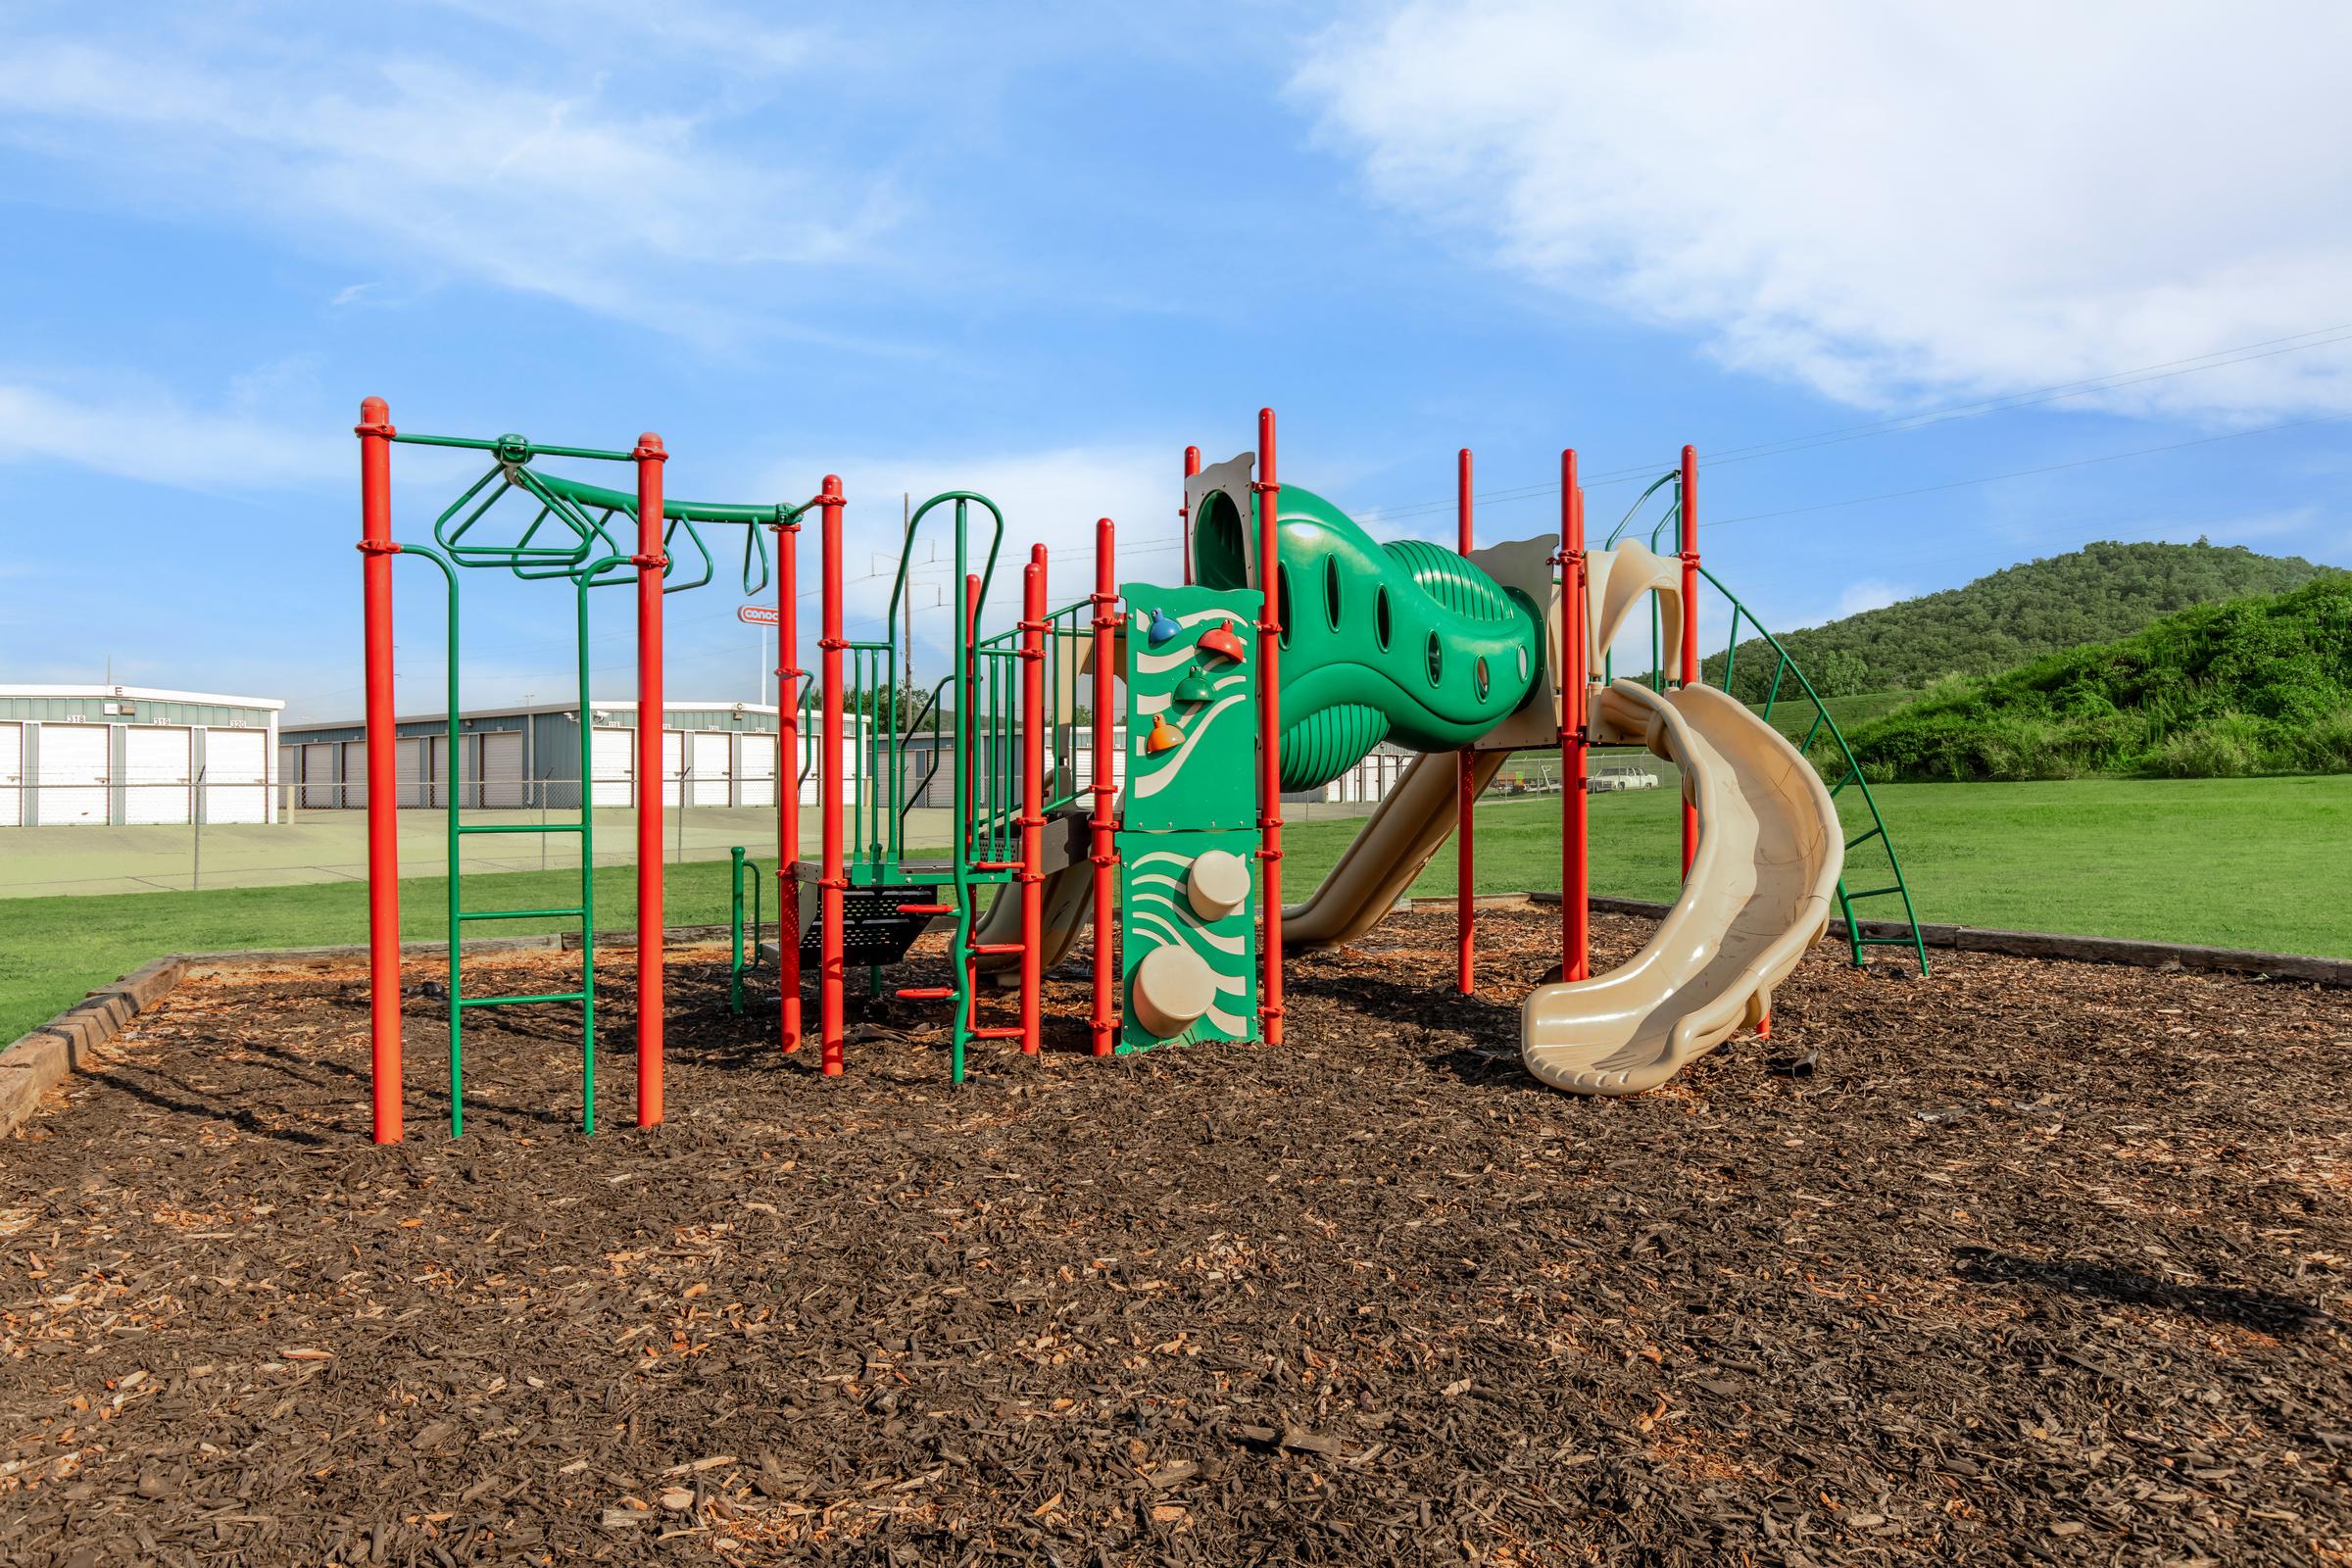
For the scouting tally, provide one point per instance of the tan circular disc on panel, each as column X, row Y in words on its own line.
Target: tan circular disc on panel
column 1219, row 884
column 1173, row 987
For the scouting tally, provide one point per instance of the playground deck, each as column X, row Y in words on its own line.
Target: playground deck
column 2027, row 1260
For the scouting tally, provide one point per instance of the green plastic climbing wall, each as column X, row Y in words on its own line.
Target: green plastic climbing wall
column 1188, row 843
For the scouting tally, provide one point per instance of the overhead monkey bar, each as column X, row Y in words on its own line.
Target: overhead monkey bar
column 570, row 538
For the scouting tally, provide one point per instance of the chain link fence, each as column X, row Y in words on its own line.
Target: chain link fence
column 133, row 836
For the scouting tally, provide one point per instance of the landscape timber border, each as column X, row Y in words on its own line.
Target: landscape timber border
column 2045, row 944
column 39, row 1060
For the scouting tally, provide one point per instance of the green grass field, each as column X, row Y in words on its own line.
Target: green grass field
column 2230, row 862
column 2227, row 862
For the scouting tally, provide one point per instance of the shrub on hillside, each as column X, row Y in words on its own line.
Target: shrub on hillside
column 2253, row 686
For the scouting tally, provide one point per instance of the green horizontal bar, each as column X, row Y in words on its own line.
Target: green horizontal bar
column 1877, row 893
column 1886, row 942
column 1864, row 838
column 502, row 1001
column 519, row 914
column 592, row 495
column 475, row 444
column 520, row 827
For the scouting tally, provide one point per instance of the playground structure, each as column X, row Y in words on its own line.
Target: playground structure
column 1294, row 646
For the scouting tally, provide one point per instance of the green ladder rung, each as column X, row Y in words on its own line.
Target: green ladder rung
column 1865, row 838
column 1883, row 942
column 502, row 1001
column 1875, row 893
column 522, row 827
column 522, row 914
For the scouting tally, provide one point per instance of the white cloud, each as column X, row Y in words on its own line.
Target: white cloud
column 146, row 434
column 1052, row 497
column 1884, row 201
column 272, row 430
column 558, row 187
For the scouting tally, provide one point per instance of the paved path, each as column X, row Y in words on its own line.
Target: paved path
column 332, row 847
column 322, row 846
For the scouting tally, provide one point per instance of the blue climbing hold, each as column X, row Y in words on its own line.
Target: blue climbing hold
column 1163, row 628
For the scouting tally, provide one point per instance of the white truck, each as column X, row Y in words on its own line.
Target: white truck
column 1613, row 776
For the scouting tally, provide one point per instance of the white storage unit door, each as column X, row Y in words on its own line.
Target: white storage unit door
column 236, row 776
column 673, row 763
column 466, row 777
column 410, row 752
column 713, row 778
column 157, row 771
column 501, row 769
column 754, row 771
column 613, row 754
column 73, row 774
column 355, row 776
column 443, row 774
column 11, row 775
column 316, row 790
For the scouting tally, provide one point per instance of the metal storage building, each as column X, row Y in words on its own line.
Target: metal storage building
column 120, row 756
column 714, row 754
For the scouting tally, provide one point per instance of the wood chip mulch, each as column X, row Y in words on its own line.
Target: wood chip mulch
column 2026, row 1262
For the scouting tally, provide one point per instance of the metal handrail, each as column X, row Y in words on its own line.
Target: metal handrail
column 1852, row 776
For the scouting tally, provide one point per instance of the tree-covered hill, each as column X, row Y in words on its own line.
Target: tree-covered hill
column 2097, row 593
column 2221, row 690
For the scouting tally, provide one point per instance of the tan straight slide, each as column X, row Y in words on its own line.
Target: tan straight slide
column 1068, row 896
column 1762, row 881
column 1388, row 852
column 1380, row 863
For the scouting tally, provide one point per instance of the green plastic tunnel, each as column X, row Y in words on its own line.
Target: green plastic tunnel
column 1403, row 641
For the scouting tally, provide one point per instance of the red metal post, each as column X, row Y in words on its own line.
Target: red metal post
column 788, row 781
column 650, row 564
column 1105, row 846
column 829, row 974
column 1033, row 794
column 1184, row 513
column 1689, row 509
column 1575, row 679
column 377, row 550
column 1268, row 489
column 1465, row 857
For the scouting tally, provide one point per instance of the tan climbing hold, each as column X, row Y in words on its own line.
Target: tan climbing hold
column 1219, row 884
column 1173, row 988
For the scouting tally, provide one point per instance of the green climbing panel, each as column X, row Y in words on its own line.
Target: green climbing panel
column 1191, row 709
column 1188, row 843
column 1157, row 911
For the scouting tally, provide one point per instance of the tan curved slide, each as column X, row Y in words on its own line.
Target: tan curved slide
column 1759, row 893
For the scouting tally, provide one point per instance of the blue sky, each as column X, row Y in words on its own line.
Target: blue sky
column 2049, row 277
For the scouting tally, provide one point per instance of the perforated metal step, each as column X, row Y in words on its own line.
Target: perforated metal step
column 874, row 929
